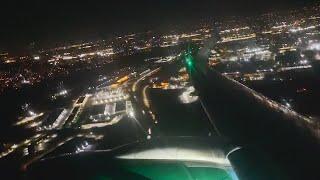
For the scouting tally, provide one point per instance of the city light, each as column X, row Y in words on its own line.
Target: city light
column 186, row 96
column 36, row 57
column 232, row 78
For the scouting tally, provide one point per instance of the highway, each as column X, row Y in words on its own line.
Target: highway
column 146, row 100
column 142, row 103
column 136, row 83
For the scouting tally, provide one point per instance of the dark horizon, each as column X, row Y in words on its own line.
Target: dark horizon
column 51, row 23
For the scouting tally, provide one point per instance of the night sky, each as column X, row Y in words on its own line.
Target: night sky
column 49, row 22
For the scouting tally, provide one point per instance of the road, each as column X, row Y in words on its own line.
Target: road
column 142, row 103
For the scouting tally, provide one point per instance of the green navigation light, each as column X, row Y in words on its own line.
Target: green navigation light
column 189, row 61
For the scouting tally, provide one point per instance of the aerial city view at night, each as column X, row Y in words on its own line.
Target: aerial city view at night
column 163, row 89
